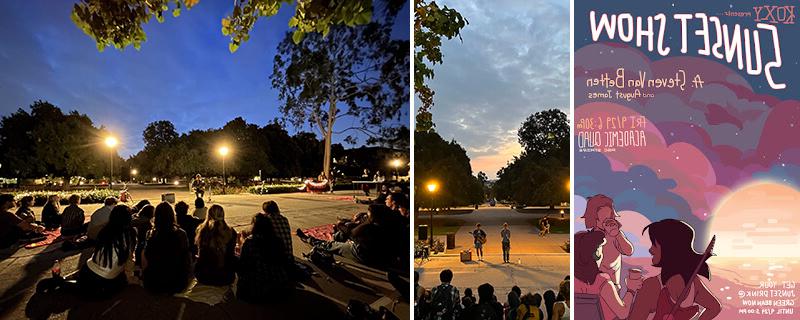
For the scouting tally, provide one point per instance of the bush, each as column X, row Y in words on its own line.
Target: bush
column 87, row 196
column 275, row 188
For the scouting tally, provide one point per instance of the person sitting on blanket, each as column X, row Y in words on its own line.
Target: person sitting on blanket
column 100, row 218
column 72, row 220
column 216, row 243
column 166, row 260
column 344, row 227
column 368, row 242
column 51, row 213
column 12, row 228
column 264, row 269
column 25, row 211
column 281, row 225
column 105, row 272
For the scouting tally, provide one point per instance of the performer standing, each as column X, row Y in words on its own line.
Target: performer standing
column 479, row 239
column 506, row 234
column 198, row 186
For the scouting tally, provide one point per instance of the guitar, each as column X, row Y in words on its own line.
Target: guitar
column 668, row 310
column 481, row 237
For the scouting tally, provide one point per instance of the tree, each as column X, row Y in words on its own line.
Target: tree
column 545, row 133
column 392, row 137
column 119, row 23
column 540, row 174
column 47, row 142
column 159, row 133
column 447, row 164
column 358, row 73
column 431, row 23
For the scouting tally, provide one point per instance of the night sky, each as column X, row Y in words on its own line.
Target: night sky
column 183, row 72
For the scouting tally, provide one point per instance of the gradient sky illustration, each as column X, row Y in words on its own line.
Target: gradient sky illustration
column 183, row 73
column 707, row 148
column 513, row 62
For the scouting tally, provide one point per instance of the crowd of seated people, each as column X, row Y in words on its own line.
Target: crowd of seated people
column 378, row 237
column 443, row 302
column 147, row 245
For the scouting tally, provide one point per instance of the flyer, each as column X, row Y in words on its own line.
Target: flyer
column 687, row 160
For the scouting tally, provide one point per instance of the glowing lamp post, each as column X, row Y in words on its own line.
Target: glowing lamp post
column 223, row 151
column 396, row 163
column 134, row 172
column 432, row 187
column 111, row 142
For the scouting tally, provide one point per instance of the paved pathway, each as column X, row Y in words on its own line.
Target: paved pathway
column 538, row 263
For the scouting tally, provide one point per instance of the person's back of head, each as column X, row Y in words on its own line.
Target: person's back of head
column 181, row 209
column 164, row 218
column 74, row 199
column 549, row 300
column 214, row 232
column 468, row 292
column 147, row 212
column 110, row 201
column 26, row 201
column 199, row 203
column 486, row 293
column 446, row 275
column 270, row 207
column 116, row 236
column 7, row 201
column 537, row 299
column 141, row 204
column 517, row 290
column 262, row 226
column 564, row 289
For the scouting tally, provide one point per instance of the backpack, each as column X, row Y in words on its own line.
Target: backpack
column 528, row 315
column 442, row 302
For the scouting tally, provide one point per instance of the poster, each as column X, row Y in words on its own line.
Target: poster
column 687, row 159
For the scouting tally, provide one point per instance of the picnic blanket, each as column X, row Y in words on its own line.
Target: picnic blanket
column 53, row 236
column 323, row 232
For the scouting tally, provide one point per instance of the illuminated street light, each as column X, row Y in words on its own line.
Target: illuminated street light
column 223, row 151
column 111, row 142
column 134, row 172
column 396, row 163
column 432, row 187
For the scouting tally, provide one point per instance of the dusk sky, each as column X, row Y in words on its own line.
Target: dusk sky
column 183, row 72
column 513, row 62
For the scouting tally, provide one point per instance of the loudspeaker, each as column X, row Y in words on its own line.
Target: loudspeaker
column 422, row 232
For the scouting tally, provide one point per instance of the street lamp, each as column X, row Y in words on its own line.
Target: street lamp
column 111, row 142
column 432, row 187
column 396, row 163
column 134, row 172
column 223, row 151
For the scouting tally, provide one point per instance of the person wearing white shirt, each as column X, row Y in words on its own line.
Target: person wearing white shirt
column 100, row 218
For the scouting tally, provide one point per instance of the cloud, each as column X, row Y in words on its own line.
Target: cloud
column 512, row 63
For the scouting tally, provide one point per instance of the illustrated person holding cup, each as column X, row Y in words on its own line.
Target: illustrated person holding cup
column 601, row 216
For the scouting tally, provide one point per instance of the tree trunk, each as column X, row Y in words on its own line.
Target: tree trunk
column 326, row 165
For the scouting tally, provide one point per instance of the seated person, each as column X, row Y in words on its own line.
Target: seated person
column 143, row 223
column 187, row 223
column 200, row 209
column 166, row 261
column 216, row 243
column 25, row 211
column 51, row 213
column 100, row 218
column 264, row 269
column 368, row 240
column 105, row 272
column 344, row 227
column 72, row 220
column 12, row 228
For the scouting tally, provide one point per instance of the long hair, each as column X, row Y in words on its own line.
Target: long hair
column 593, row 204
column 586, row 244
column 116, row 236
column 675, row 238
column 262, row 227
column 54, row 201
column 164, row 218
column 214, row 232
column 549, row 299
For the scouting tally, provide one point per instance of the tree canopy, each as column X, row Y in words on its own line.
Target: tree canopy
column 359, row 73
column 120, row 23
column 539, row 176
column 48, row 142
column 447, row 164
column 431, row 24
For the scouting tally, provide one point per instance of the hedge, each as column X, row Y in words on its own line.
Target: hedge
column 87, row 196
